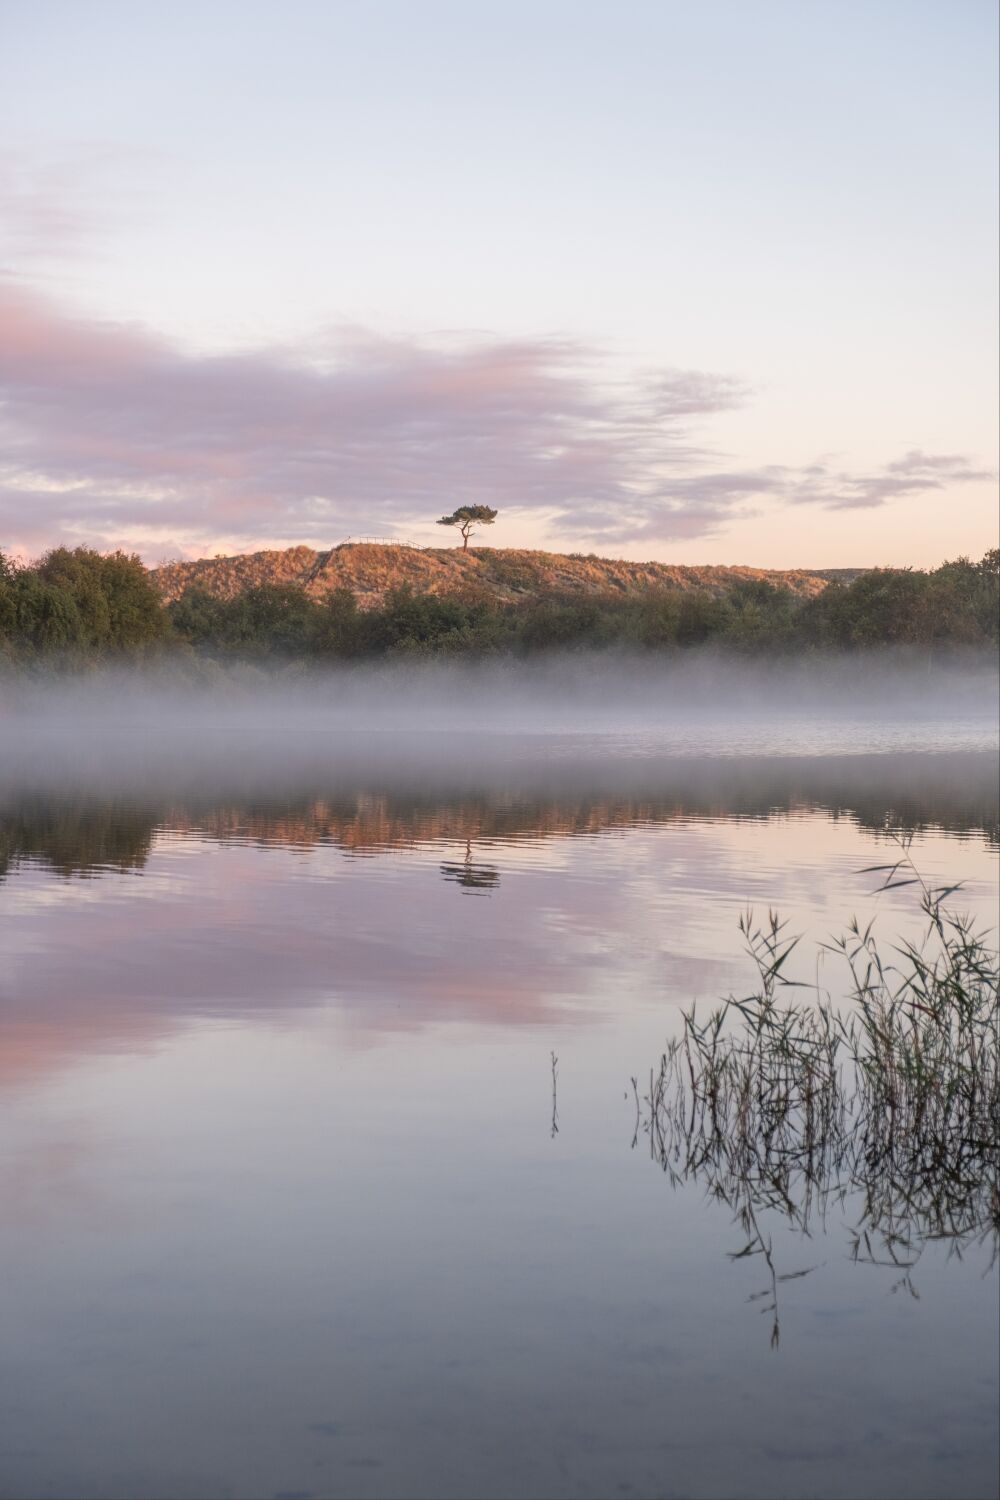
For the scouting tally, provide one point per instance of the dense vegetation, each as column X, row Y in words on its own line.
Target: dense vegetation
column 82, row 605
column 79, row 602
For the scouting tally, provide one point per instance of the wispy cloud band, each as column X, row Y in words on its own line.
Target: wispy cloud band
column 113, row 434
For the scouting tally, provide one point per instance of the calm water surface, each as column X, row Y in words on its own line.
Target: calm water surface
column 296, row 1204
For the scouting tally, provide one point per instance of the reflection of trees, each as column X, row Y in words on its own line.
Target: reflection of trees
column 473, row 877
column 77, row 836
column 889, row 1110
column 78, row 833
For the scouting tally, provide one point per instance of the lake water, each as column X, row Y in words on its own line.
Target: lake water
column 296, row 1201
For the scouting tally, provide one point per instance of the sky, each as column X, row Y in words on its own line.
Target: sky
column 701, row 283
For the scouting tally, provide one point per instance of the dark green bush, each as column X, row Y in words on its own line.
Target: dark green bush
column 81, row 603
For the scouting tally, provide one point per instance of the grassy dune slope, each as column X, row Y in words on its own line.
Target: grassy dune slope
column 369, row 569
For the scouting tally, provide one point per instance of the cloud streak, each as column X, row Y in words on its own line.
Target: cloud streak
column 112, row 434
column 55, row 209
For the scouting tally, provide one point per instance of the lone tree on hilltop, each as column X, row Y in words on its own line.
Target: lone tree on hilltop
column 468, row 516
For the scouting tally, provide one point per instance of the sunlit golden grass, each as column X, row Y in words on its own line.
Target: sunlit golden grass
column 505, row 575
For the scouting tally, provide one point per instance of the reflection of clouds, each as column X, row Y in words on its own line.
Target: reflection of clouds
column 609, row 884
column 47, row 1176
column 642, row 916
column 246, row 935
column 33, row 1045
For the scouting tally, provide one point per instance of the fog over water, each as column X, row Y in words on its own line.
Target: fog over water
column 416, row 717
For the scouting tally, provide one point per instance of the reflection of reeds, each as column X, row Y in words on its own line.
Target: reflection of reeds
column 892, row 1100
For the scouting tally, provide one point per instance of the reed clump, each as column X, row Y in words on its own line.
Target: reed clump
column 886, row 1102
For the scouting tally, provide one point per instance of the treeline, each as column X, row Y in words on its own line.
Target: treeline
column 80, row 602
column 82, row 605
column 956, row 603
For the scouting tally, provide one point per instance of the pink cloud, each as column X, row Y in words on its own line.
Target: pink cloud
column 112, row 432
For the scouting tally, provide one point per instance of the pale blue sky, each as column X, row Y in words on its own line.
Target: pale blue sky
column 799, row 196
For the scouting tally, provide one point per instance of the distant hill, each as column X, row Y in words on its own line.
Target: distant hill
column 370, row 569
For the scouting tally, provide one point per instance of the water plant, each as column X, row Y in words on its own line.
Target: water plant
column 884, row 1103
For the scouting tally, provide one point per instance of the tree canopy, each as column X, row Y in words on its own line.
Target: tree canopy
column 80, row 601
column 468, row 516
